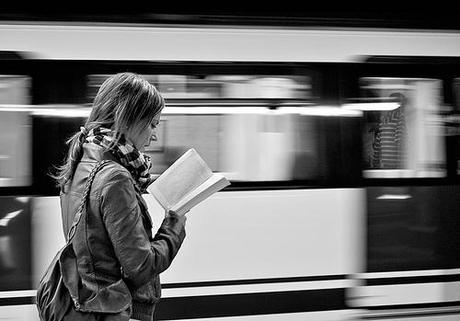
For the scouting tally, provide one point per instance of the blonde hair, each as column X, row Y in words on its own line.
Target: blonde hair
column 123, row 100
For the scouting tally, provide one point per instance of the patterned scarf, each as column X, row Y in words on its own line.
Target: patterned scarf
column 135, row 161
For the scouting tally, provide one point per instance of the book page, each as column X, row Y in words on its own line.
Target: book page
column 184, row 175
column 215, row 183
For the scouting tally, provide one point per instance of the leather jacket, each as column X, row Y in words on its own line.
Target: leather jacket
column 118, row 259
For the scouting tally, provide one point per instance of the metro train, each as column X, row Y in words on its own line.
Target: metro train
column 341, row 145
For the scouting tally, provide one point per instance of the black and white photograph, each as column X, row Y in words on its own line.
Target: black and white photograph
column 226, row 164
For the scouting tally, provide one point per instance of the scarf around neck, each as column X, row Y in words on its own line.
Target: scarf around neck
column 136, row 162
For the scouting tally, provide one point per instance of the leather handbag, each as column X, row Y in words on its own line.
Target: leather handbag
column 58, row 288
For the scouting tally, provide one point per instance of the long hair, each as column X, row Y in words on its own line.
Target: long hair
column 123, row 100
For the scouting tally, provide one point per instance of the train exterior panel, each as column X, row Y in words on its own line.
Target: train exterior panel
column 140, row 43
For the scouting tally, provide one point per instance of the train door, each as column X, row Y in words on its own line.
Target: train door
column 412, row 265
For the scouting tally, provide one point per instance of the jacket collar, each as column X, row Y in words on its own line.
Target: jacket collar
column 96, row 153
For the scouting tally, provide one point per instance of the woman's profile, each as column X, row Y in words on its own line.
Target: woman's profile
column 118, row 258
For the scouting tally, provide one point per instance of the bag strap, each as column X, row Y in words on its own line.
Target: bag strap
column 82, row 206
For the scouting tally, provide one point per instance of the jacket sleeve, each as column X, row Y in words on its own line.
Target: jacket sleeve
column 139, row 257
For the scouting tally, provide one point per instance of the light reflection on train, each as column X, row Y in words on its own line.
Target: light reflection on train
column 343, row 203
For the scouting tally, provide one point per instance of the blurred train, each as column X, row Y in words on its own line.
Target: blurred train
column 342, row 146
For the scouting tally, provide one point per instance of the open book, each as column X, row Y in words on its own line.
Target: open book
column 187, row 182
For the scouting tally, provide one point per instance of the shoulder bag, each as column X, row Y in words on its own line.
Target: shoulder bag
column 56, row 291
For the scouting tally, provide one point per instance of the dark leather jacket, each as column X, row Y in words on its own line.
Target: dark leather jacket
column 118, row 258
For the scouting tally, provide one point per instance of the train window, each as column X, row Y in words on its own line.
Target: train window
column 15, row 131
column 15, row 244
column 407, row 139
column 263, row 86
column 15, row 89
column 455, row 123
column 254, row 128
column 456, row 89
column 248, row 142
column 221, row 86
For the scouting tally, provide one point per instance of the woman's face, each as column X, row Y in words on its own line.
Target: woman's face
column 141, row 136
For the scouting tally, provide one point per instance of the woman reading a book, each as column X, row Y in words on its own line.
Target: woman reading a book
column 118, row 258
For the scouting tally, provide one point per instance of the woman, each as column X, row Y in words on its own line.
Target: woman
column 118, row 258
